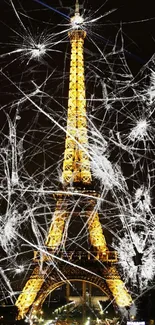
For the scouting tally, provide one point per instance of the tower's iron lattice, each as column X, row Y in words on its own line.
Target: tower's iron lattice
column 76, row 177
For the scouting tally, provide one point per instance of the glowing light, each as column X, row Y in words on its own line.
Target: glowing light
column 76, row 21
column 38, row 51
column 87, row 321
column 19, row 269
column 139, row 132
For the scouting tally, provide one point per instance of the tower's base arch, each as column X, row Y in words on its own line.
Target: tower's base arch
column 56, row 280
column 44, row 281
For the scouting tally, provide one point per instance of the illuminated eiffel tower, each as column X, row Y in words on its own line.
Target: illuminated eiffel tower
column 100, row 267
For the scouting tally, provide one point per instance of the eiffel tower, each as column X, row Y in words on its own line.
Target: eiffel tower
column 97, row 266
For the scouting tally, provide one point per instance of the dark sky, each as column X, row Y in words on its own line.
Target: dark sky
column 136, row 17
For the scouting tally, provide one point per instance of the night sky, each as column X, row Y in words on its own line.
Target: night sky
column 136, row 17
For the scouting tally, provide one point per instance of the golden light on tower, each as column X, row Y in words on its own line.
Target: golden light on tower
column 76, row 164
column 76, row 174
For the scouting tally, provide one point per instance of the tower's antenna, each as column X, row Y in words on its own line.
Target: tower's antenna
column 77, row 8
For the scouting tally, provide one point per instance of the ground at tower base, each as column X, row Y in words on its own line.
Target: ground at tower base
column 57, row 312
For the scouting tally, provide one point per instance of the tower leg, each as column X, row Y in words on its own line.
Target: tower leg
column 84, row 299
column 90, row 292
column 97, row 238
column 29, row 293
column 55, row 234
column 117, row 287
column 67, row 292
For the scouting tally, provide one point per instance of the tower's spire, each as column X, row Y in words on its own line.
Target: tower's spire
column 77, row 19
column 76, row 163
column 77, row 9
